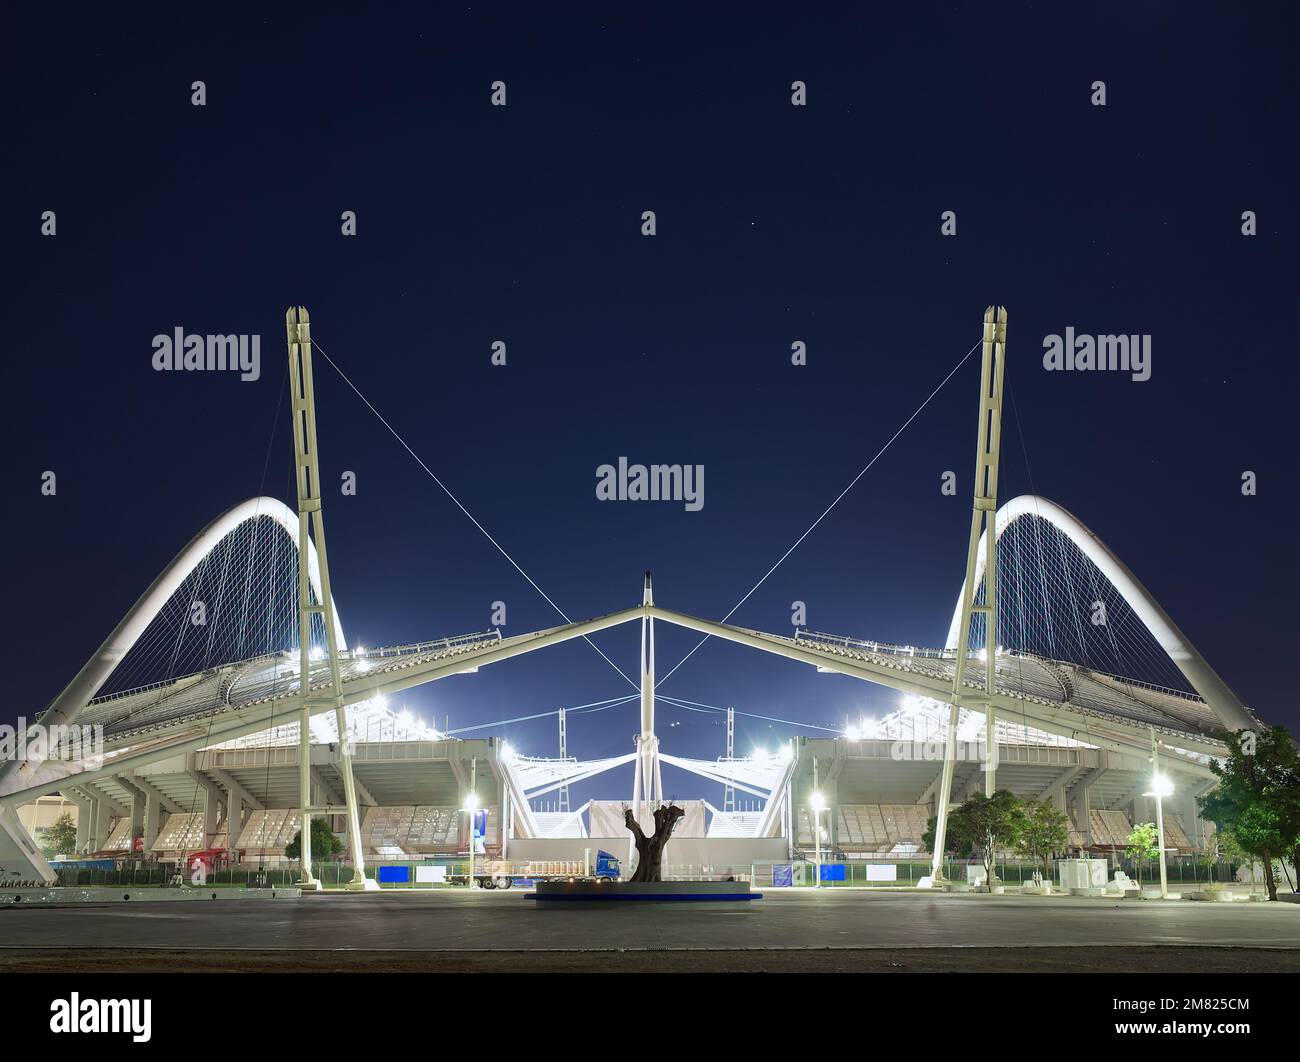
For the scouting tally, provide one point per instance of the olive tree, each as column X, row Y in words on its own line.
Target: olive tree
column 989, row 824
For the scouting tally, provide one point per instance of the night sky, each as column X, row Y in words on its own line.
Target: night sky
column 775, row 223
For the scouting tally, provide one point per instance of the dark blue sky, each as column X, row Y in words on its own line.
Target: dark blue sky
column 775, row 223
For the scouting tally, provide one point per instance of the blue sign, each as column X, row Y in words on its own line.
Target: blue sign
column 394, row 875
column 832, row 872
column 479, row 838
column 783, row 876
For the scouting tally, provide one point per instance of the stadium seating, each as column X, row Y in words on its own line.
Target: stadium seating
column 413, row 829
column 1109, row 827
column 268, row 831
column 182, row 832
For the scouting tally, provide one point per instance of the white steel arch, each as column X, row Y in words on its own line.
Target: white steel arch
column 67, row 706
column 1216, row 693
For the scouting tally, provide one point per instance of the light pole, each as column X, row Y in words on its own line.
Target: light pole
column 1161, row 787
column 818, row 803
column 471, row 806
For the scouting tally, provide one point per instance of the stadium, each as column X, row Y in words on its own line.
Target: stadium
column 228, row 707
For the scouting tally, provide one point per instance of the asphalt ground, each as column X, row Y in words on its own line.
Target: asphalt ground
column 833, row 930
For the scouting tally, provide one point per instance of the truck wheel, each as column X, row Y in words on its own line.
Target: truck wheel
column 502, row 883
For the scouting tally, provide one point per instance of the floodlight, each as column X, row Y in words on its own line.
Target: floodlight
column 1161, row 786
column 818, row 802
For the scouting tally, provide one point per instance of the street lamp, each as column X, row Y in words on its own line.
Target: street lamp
column 471, row 806
column 1161, row 787
column 818, row 803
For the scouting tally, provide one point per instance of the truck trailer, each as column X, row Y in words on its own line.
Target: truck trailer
column 505, row 874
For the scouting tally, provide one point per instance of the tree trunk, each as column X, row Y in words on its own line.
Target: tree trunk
column 1270, row 882
column 650, row 850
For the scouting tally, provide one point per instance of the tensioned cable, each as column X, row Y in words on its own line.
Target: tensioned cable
column 700, row 706
column 832, row 505
column 232, row 837
column 614, row 702
column 606, row 707
column 1125, row 647
column 1024, row 449
column 991, row 653
column 594, row 706
column 462, row 508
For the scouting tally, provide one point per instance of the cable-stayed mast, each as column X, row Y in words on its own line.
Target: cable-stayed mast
column 983, row 518
column 307, row 477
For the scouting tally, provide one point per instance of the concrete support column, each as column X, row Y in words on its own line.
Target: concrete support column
column 210, row 808
column 103, row 824
column 788, row 812
column 83, row 819
column 137, row 818
column 504, row 822
column 1080, row 801
column 1184, row 806
column 92, row 824
column 234, row 823
column 152, row 820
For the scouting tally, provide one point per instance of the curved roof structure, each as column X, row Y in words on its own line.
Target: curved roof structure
column 1222, row 702
column 235, row 699
column 67, row 707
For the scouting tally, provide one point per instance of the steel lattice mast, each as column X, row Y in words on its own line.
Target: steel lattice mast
column 564, row 756
column 729, row 793
column 647, row 782
column 307, row 478
column 983, row 519
column 651, row 776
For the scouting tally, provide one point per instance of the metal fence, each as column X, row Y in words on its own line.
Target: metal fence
column 1182, row 870
column 852, row 873
column 399, row 874
column 160, row 875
